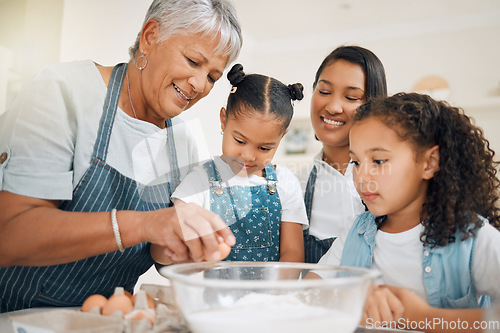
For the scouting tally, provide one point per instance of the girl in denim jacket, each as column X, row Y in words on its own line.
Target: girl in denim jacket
column 428, row 178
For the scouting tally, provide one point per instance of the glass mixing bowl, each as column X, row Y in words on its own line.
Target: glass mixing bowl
column 219, row 297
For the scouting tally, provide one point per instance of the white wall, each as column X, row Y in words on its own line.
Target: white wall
column 30, row 32
column 467, row 57
column 463, row 50
column 101, row 30
column 465, row 53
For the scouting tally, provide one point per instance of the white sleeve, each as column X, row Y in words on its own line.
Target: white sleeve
column 38, row 135
column 187, row 150
column 334, row 255
column 194, row 188
column 303, row 174
column 486, row 262
column 292, row 202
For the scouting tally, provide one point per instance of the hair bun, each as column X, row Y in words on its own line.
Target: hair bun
column 296, row 90
column 236, row 74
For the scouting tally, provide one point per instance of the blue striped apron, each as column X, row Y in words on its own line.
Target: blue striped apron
column 253, row 213
column 314, row 248
column 101, row 189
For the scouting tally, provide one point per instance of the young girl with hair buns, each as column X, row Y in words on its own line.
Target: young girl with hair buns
column 428, row 178
column 259, row 201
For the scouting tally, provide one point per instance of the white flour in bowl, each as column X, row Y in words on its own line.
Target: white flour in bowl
column 271, row 313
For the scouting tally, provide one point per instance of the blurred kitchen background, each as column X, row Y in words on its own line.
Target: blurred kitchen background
column 455, row 42
column 450, row 48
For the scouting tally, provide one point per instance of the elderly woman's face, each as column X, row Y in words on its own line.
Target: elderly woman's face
column 180, row 71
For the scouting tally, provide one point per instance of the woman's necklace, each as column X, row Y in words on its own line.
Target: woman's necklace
column 130, row 98
column 334, row 165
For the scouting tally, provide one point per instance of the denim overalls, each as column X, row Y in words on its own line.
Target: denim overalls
column 314, row 248
column 447, row 270
column 101, row 189
column 253, row 213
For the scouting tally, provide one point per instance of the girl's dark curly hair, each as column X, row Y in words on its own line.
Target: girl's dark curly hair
column 466, row 184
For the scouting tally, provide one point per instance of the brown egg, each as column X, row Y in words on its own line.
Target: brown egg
column 224, row 250
column 117, row 302
column 121, row 291
column 127, row 294
column 140, row 314
column 94, row 301
column 151, row 301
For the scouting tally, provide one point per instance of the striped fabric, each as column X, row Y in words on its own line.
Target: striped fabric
column 314, row 248
column 101, row 189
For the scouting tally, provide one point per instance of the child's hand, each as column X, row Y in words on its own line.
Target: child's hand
column 393, row 306
column 382, row 308
column 415, row 308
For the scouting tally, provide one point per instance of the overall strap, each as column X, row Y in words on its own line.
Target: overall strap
column 212, row 172
column 214, row 177
column 109, row 111
column 270, row 173
column 271, row 178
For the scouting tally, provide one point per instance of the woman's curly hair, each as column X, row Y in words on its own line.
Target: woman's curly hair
column 466, row 184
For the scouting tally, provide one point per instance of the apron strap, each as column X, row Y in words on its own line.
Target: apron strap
column 109, row 111
column 172, row 151
column 308, row 196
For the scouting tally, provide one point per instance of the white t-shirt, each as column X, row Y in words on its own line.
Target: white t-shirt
column 50, row 131
column 195, row 188
column 399, row 257
column 336, row 203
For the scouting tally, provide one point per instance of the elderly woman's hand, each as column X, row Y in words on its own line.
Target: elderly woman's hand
column 188, row 232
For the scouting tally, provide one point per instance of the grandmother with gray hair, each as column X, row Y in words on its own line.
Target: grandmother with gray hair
column 89, row 156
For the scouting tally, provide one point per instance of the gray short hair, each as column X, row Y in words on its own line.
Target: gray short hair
column 210, row 17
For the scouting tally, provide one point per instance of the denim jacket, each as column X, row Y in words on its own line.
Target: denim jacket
column 447, row 270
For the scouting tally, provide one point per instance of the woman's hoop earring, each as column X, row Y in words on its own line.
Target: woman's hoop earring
column 145, row 62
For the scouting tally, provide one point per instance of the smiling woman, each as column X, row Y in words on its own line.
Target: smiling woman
column 346, row 79
column 93, row 153
column 183, row 70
